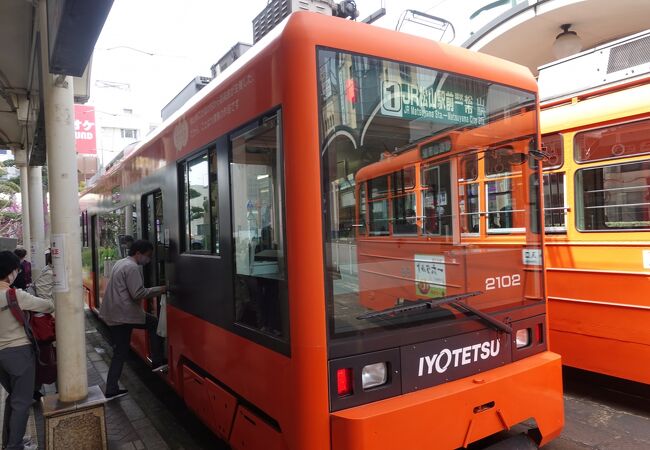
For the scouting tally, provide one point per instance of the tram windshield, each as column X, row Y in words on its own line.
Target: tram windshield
column 427, row 181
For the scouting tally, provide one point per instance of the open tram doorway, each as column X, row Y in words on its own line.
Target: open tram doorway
column 154, row 272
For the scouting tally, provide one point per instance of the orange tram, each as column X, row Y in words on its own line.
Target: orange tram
column 348, row 220
column 596, row 133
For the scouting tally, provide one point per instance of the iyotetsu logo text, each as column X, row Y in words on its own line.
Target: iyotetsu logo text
column 441, row 361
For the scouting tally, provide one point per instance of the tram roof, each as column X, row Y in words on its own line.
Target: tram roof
column 336, row 33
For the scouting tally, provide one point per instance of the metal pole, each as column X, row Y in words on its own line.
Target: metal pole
column 65, row 238
column 36, row 219
column 24, row 199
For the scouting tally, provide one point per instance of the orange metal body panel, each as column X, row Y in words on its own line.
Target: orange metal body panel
column 250, row 432
column 294, row 390
column 444, row 417
column 196, row 394
column 597, row 285
column 222, row 407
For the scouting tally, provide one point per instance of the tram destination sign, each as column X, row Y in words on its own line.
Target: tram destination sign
column 434, row 362
column 448, row 105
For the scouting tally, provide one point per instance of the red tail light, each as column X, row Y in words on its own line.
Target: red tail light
column 344, row 382
column 540, row 333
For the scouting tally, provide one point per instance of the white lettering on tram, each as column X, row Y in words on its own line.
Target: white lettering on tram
column 458, row 357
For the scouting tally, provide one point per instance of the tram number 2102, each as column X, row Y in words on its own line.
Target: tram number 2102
column 504, row 281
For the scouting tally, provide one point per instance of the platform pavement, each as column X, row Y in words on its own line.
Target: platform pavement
column 600, row 413
column 151, row 417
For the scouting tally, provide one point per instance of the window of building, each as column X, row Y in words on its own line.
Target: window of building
column 256, row 172
column 201, row 215
column 129, row 133
column 615, row 197
column 554, row 205
column 615, row 141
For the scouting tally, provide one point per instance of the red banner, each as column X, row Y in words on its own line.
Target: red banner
column 85, row 132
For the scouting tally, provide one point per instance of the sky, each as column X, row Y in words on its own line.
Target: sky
column 159, row 46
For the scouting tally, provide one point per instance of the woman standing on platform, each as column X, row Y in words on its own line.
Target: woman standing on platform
column 17, row 361
column 24, row 277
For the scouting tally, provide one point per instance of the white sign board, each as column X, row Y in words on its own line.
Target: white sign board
column 58, row 263
column 532, row 256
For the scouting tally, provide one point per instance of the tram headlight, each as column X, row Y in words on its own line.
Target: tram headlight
column 374, row 375
column 523, row 337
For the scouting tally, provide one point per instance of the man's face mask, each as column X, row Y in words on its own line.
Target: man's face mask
column 144, row 260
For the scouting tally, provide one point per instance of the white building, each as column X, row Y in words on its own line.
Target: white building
column 121, row 119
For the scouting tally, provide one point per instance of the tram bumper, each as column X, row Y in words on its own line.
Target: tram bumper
column 457, row 413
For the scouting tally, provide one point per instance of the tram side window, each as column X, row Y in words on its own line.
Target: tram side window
column 256, row 173
column 363, row 208
column 436, row 207
column 614, row 141
column 83, row 222
column 553, row 147
column 112, row 242
column 614, row 197
column 403, row 199
column 379, row 218
column 469, row 208
column 505, row 202
column 200, row 204
column 554, row 206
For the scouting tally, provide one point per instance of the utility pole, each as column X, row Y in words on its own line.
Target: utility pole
column 65, row 233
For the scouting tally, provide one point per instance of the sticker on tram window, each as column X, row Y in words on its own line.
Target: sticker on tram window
column 532, row 256
column 646, row 259
column 430, row 276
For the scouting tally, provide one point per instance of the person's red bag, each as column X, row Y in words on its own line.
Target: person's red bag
column 38, row 326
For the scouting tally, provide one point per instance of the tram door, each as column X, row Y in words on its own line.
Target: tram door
column 154, row 272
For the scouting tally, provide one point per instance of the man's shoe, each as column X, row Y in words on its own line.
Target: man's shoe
column 118, row 394
column 161, row 368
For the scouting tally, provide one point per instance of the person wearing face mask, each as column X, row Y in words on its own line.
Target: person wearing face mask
column 121, row 310
column 24, row 277
column 17, row 360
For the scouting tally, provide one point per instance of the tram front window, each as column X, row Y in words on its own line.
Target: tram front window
column 419, row 211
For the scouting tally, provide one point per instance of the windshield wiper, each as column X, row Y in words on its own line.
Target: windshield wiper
column 452, row 300
column 496, row 323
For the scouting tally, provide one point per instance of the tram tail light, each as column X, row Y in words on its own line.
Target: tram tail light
column 523, row 337
column 344, row 382
column 374, row 375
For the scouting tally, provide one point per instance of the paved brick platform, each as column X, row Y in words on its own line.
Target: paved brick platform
column 601, row 413
column 151, row 417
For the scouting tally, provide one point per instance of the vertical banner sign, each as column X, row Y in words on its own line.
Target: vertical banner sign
column 85, row 130
column 58, row 263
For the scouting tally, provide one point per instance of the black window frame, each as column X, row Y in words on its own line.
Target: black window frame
column 280, row 344
column 210, row 151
